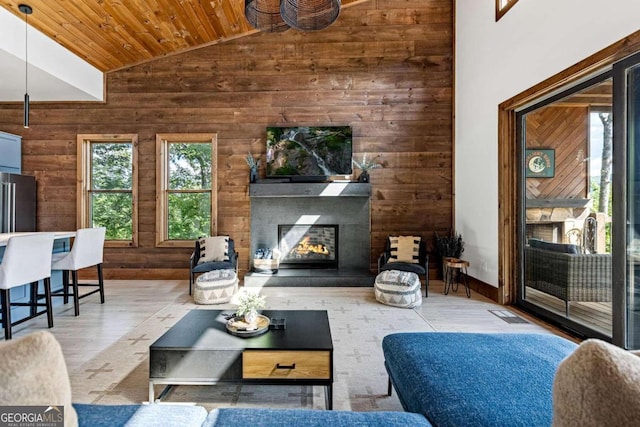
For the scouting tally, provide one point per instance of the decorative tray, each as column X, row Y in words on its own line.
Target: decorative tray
column 238, row 327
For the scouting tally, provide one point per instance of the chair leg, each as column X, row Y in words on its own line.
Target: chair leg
column 76, row 297
column 190, row 281
column 65, row 285
column 47, row 296
column 6, row 313
column 389, row 387
column 426, row 285
column 101, row 283
column 33, row 289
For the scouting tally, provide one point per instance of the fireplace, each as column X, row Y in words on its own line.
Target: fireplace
column 308, row 246
column 345, row 204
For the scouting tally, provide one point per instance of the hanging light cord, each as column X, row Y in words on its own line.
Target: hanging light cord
column 26, row 9
column 26, row 53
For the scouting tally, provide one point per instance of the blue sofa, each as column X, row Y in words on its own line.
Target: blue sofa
column 442, row 380
column 196, row 416
column 476, row 380
column 33, row 372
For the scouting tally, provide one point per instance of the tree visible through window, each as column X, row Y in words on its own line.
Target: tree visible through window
column 189, row 198
column 107, row 184
column 187, row 202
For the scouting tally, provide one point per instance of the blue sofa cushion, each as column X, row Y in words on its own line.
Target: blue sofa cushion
column 139, row 415
column 565, row 248
column 234, row 417
column 468, row 379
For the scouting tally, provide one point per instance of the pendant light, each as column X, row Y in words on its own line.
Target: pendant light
column 264, row 15
column 26, row 9
column 309, row 15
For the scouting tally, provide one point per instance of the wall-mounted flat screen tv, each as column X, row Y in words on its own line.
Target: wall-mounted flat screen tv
column 309, row 151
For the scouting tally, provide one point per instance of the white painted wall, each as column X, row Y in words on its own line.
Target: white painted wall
column 55, row 74
column 497, row 60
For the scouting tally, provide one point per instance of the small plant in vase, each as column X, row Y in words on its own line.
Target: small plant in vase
column 450, row 246
column 254, row 164
column 248, row 306
column 366, row 165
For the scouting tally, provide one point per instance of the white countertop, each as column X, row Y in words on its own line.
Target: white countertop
column 4, row 237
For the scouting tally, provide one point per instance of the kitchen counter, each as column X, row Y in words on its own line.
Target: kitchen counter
column 4, row 237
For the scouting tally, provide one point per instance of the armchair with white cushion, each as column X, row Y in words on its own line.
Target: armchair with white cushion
column 406, row 253
column 212, row 253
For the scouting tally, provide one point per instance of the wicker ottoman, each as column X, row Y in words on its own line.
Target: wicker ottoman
column 215, row 287
column 398, row 288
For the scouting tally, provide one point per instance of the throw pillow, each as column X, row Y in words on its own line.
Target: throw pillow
column 214, row 249
column 33, row 372
column 404, row 249
column 597, row 385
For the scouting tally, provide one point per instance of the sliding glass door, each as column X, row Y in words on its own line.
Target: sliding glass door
column 579, row 230
column 627, row 242
column 567, row 205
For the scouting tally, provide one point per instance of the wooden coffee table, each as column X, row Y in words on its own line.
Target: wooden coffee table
column 198, row 350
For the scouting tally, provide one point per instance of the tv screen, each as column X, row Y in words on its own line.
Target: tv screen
column 313, row 151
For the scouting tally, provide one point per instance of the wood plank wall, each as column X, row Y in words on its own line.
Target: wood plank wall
column 385, row 68
column 566, row 130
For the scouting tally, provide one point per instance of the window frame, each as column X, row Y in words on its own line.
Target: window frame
column 502, row 9
column 83, row 215
column 162, row 184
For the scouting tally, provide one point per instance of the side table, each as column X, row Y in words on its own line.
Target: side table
column 455, row 273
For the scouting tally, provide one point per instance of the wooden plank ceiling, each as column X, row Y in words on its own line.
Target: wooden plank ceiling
column 113, row 34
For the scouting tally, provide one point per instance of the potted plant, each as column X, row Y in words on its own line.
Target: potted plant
column 248, row 305
column 449, row 246
column 366, row 165
column 253, row 163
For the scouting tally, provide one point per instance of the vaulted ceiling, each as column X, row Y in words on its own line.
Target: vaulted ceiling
column 112, row 34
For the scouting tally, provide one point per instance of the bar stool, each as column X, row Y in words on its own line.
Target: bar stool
column 86, row 252
column 27, row 259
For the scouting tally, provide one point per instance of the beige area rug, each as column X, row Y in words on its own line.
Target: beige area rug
column 119, row 375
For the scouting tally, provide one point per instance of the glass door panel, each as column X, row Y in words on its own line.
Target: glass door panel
column 567, row 193
column 633, row 208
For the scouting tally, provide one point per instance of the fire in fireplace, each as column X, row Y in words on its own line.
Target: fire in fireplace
column 308, row 246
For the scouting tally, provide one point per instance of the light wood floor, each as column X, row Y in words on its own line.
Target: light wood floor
column 129, row 303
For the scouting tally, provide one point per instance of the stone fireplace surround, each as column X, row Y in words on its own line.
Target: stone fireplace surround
column 346, row 204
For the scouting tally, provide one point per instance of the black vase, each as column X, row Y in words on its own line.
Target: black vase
column 364, row 177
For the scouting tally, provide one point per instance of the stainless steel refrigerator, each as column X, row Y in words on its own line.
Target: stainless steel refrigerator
column 17, row 203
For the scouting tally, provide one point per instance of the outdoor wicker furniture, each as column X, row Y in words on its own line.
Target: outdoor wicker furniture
column 568, row 276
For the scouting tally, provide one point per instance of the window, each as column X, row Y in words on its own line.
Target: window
column 186, row 206
column 107, row 186
column 503, row 6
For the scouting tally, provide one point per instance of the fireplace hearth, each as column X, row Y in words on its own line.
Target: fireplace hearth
column 308, row 246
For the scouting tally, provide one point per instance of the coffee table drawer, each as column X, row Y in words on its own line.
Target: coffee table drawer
column 286, row 364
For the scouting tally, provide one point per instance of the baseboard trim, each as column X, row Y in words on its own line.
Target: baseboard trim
column 483, row 288
column 136, row 274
